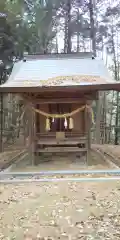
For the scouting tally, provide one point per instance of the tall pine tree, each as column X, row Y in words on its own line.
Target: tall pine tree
column 6, row 38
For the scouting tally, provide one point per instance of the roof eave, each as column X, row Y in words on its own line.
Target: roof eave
column 97, row 87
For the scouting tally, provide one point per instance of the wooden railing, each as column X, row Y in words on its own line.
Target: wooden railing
column 70, row 139
column 73, row 142
column 67, row 134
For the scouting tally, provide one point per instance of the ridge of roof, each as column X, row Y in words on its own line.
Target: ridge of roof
column 58, row 55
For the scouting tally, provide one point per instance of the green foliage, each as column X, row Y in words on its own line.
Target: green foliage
column 34, row 24
column 6, row 38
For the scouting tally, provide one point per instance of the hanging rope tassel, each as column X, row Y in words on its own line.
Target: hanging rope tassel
column 71, row 123
column 53, row 120
column 92, row 115
column 65, row 123
column 47, row 124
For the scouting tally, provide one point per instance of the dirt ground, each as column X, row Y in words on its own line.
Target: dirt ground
column 5, row 157
column 111, row 149
column 63, row 210
column 69, row 162
column 60, row 211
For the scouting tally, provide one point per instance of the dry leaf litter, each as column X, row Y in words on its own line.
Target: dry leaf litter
column 60, row 211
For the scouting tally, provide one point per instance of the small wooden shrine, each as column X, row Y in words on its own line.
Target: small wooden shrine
column 57, row 91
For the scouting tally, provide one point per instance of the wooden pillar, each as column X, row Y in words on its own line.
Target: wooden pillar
column 37, row 154
column 30, row 122
column 98, row 118
column 1, row 123
column 33, row 136
column 24, row 128
column 86, row 133
column 89, row 132
column 89, row 122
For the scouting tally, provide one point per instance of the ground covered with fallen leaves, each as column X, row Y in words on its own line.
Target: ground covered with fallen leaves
column 64, row 210
column 113, row 150
column 7, row 156
column 68, row 162
column 60, row 211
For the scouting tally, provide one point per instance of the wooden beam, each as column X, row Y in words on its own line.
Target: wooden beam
column 60, row 100
column 62, row 149
column 54, row 141
column 57, row 100
column 71, row 97
column 83, row 88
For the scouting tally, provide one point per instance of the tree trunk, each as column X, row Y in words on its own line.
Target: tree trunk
column 92, row 24
column 111, row 114
column 98, row 118
column 1, row 108
column 78, row 33
column 56, row 45
column 67, row 40
column 117, row 120
column 104, row 116
column 116, row 75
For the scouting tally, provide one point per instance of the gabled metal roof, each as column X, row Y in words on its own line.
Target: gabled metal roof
column 56, row 71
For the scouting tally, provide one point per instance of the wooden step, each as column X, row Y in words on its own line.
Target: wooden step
column 61, row 142
column 62, row 149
